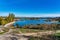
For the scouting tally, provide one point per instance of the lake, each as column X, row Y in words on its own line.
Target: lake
column 34, row 22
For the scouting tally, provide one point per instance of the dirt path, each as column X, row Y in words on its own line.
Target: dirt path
column 9, row 24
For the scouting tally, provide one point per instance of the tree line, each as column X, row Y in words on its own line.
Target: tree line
column 7, row 19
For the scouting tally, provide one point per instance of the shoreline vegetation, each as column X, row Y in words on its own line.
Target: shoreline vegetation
column 28, row 32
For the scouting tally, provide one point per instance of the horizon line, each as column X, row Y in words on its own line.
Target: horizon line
column 31, row 14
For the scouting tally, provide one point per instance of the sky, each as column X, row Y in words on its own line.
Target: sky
column 30, row 8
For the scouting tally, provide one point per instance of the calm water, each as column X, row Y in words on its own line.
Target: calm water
column 34, row 22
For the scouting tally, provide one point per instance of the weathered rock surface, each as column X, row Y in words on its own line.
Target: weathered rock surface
column 13, row 37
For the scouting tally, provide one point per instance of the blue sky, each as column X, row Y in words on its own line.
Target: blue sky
column 30, row 8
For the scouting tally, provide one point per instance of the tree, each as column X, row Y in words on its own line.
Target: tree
column 11, row 17
column 1, row 20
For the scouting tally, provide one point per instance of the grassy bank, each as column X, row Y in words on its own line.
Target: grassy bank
column 57, row 34
column 28, row 30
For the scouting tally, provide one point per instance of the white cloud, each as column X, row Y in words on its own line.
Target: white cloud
column 38, row 15
column 32, row 14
